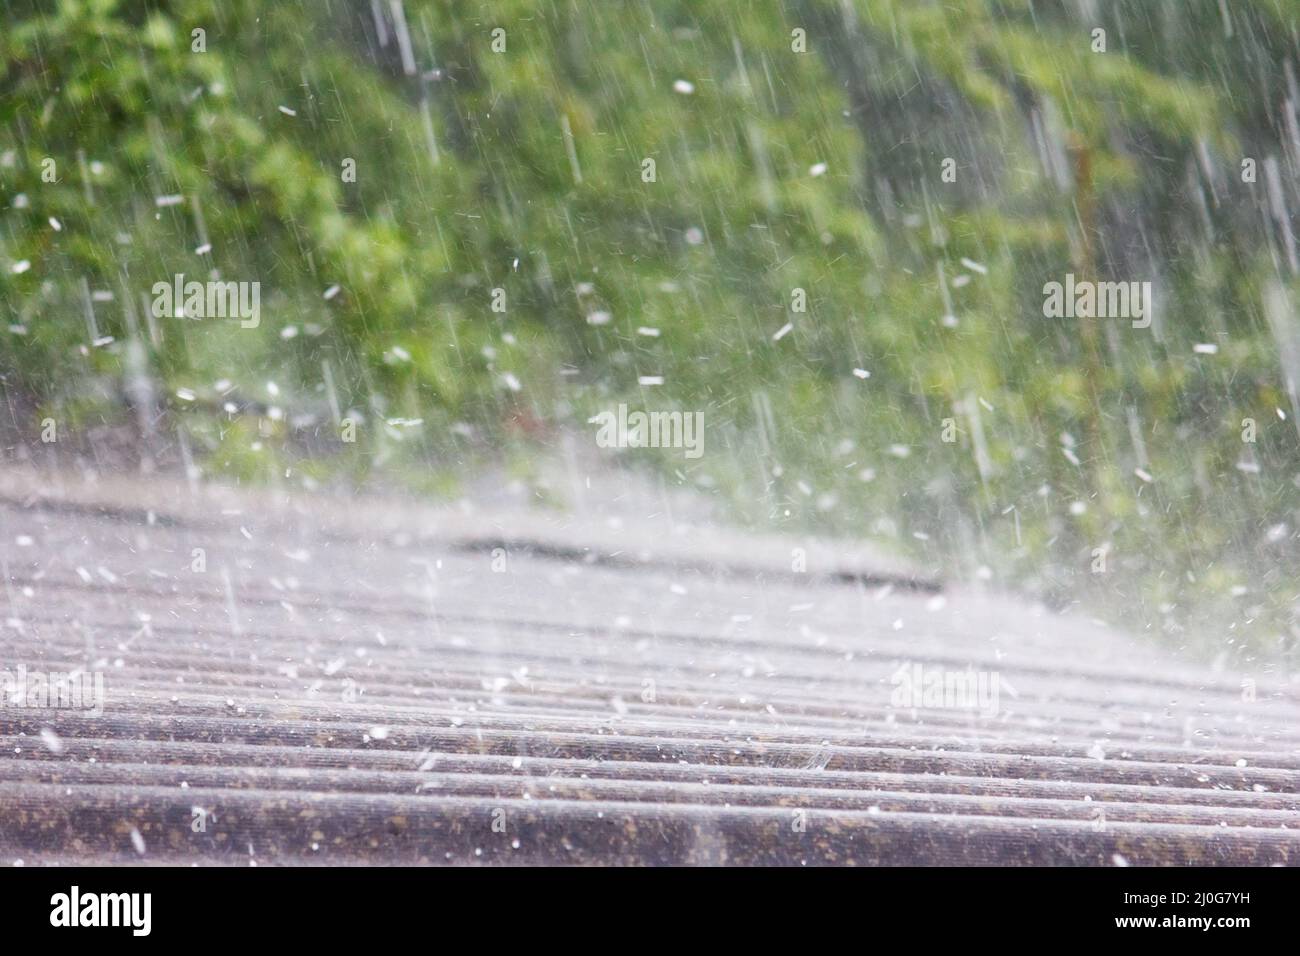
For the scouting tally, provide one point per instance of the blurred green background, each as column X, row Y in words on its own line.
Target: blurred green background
column 799, row 155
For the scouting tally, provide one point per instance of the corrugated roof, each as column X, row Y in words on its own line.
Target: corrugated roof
column 356, row 682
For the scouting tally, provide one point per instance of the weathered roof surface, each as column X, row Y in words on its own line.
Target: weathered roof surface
column 353, row 682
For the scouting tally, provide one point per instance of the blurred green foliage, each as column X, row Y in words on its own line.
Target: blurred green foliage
column 524, row 168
